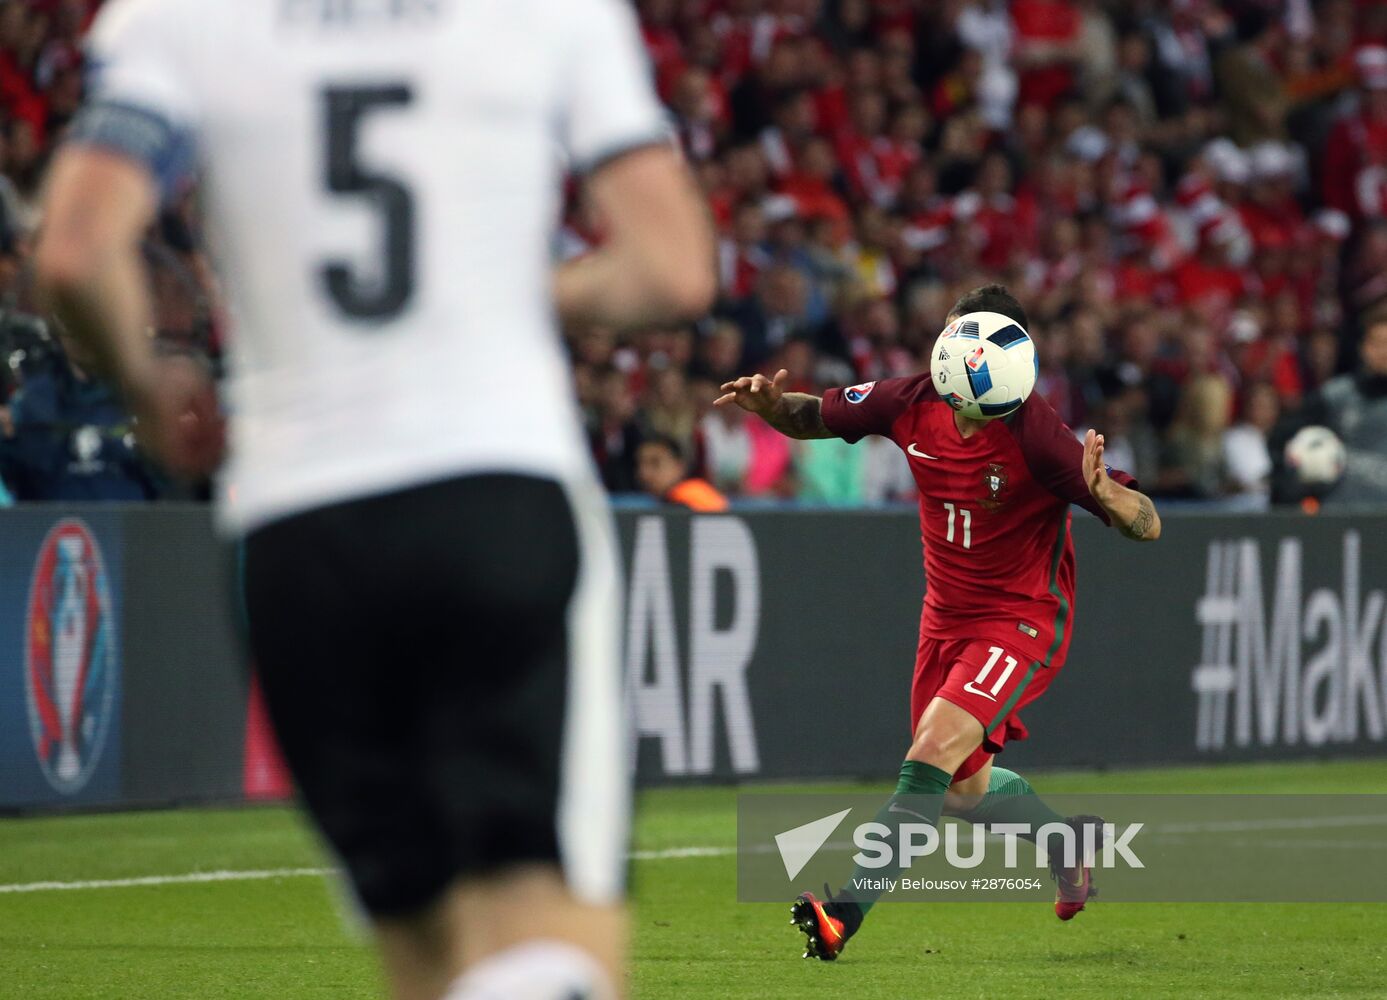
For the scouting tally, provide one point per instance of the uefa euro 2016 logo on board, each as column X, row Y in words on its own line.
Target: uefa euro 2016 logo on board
column 69, row 655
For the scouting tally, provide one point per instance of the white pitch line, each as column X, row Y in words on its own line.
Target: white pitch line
column 678, row 853
column 189, row 878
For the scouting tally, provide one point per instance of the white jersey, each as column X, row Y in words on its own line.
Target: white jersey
column 381, row 182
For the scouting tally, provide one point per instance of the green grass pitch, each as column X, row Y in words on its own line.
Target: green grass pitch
column 284, row 936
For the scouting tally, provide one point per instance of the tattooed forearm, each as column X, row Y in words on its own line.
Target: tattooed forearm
column 798, row 416
column 1140, row 525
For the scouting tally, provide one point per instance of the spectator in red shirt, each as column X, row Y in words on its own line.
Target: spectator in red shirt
column 1047, row 48
column 1357, row 143
column 1213, row 280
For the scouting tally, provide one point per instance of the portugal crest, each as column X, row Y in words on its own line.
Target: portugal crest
column 995, row 480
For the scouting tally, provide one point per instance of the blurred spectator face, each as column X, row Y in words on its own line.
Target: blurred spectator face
column 1204, row 405
column 854, row 15
column 783, row 67
column 658, row 469
column 783, row 292
column 722, row 349
column 964, row 138
column 657, row 12
column 797, row 358
column 669, row 389
column 12, row 18
column 818, row 160
column 65, row 94
column 1086, row 346
column 704, row 47
column 712, row 176
column 910, row 125
column 1052, row 346
column 1063, row 237
column 679, row 346
column 1133, row 53
column 869, row 113
column 919, row 189
column 1375, row 104
column 617, row 400
column 929, row 303
column 879, row 321
column 1321, row 355
column 1373, row 350
column 787, row 235
column 1140, row 342
column 795, row 116
column 749, row 226
column 873, row 230
column 1263, row 407
column 864, row 70
column 1149, row 172
column 994, row 176
column 702, row 391
column 693, row 96
column 1068, row 117
column 1197, row 343
column 1121, row 124
column 1032, row 127
column 746, row 170
column 586, row 386
column 24, row 147
column 595, row 345
column 1283, row 319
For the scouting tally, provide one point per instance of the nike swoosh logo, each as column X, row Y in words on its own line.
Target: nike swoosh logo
column 912, row 450
column 982, row 694
column 896, row 807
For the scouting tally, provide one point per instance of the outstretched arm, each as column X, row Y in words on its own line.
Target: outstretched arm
column 92, row 277
column 794, row 414
column 1132, row 512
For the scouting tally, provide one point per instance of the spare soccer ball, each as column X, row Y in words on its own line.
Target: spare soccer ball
column 1316, row 455
column 984, row 365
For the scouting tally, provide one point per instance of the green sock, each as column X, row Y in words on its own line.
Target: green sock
column 1010, row 799
column 916, row 780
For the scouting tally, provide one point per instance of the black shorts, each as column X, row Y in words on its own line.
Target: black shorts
column 441, row 668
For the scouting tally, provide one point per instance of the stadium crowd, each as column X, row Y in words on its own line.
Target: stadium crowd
column 1189, row 196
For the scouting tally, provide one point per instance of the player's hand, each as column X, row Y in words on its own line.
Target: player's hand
column 178, row 420
column 755, row 393
column 1095, row 470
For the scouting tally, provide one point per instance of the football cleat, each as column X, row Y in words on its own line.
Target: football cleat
column 1074, row 886
column 824, row 933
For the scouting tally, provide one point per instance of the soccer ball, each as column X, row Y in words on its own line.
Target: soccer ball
column 1316, row 455
column 984, row 365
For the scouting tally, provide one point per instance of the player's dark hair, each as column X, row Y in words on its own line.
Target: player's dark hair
column 670, row 444
column 991, row 298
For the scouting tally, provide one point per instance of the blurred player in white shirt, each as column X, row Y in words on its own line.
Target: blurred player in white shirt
column 430, row 578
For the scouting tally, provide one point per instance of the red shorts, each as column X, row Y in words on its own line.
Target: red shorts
column 988, row 679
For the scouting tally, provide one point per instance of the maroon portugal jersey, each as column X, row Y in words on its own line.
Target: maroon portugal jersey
column 994, row 510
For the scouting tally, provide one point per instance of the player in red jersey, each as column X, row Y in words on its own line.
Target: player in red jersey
column 995, row 500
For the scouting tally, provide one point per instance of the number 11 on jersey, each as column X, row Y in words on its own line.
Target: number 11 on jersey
column 967, row 524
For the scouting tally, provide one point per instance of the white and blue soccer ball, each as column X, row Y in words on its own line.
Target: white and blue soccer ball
column 1316, row 456
column 984, row 365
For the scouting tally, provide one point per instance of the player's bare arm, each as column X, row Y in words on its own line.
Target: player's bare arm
column 90, row 272
column 1131, row 511
column 657, row 263
column 794, row 414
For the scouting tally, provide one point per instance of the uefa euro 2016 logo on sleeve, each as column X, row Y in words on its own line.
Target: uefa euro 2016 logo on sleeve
column 69, row 655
